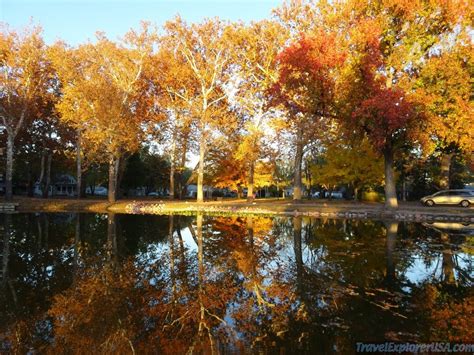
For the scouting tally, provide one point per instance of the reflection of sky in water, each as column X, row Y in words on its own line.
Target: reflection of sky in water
column 420, row 271
column 155, row 250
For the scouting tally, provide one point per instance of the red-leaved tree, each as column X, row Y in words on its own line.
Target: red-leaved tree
column 305, row 89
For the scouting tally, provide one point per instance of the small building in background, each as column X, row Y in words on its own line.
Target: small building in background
column 192, row 191
column 62, row 185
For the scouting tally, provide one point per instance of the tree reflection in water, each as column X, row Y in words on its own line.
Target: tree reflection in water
column 175, row 284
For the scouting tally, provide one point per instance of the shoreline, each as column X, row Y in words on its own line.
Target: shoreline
column 410, row 211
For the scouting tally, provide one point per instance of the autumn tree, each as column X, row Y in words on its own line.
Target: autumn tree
column 106, row 96
column 385, row 117
column 256, row 48
column 443, row 86
column 390, row 42
column 226, row 167
column 204, row 49
column 25, row 81
column 175, row 127
column 43, row 140
column 305, row 89
column 355, row 164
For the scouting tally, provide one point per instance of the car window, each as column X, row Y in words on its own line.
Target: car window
column 444, row 193
column 454, row 193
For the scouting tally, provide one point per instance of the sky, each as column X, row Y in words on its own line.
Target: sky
column 76, row 21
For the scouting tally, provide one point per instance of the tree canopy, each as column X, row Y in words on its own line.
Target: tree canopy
column 330, row 89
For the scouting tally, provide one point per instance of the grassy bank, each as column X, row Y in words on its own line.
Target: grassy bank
column 267, row 207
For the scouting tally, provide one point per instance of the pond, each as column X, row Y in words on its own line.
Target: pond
column 175, row 284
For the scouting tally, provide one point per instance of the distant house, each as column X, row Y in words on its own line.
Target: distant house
column 136, row 192
column 192, row 191
column 62, row 185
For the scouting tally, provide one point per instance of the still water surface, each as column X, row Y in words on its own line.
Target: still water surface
column 91, row 283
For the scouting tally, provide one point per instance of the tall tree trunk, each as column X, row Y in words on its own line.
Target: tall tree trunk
column 9, row 169
column 308, row 178
column 390, row 189
column 113, row 178
column 120, row 173
column 172, row 167
column 404, row 189
column 42, row 169
column 79, row 165
column 47, row 182
column 297, row 184
column 446, row 170
column 200, row 179
column 182, row 182
column 250, row 181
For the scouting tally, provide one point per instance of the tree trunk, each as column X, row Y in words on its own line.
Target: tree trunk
column 446, row 170
column 404, row 188
column 390, row 190
column 113, row 177
column 9, row 169
column 308, row 178
column 48, row 175
column 239, row 192
column 250, row 181
column 297, row 168
column 200, row 179
column 172, row 168
column 182, row 182
column 356, row 193
column 42, row 169
column 79, row 165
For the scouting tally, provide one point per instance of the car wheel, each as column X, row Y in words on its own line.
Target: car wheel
column 465, row 203
column 429, row 203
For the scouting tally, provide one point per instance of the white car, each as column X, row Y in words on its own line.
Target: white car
column 449, row 197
